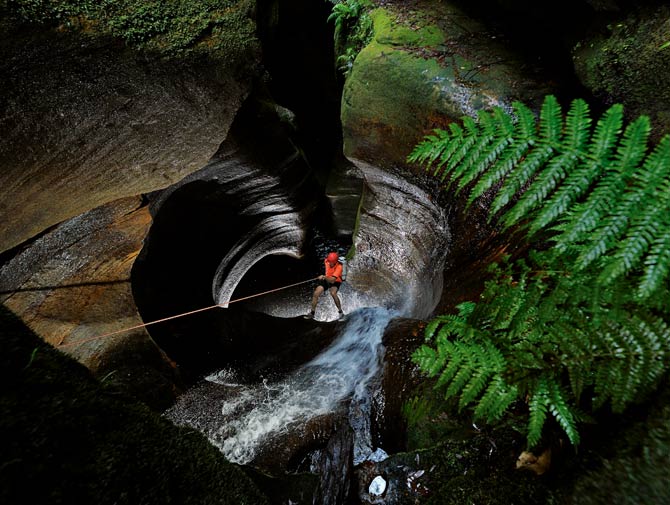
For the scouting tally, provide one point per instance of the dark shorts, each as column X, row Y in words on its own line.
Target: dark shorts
column 327, row 286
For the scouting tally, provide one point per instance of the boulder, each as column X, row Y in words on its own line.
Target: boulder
column 426, row 66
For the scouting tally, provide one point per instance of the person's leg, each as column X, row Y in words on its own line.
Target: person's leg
column 336, row 299
column 315, row 299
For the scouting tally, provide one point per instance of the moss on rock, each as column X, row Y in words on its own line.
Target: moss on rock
column 67, row 439
column 630, row 64
column 223, row 29
column 424, row 68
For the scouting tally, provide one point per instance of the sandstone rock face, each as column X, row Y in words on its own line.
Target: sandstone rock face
column 85, row 121
column 628, row 62
column 424, row 68
column 72, row 285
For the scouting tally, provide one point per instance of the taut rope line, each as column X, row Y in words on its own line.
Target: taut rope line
column 79, row 342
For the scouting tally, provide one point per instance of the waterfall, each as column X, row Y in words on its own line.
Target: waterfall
column 255, row 415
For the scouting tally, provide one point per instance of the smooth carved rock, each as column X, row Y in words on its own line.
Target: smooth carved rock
column 73, row 285
column 85, row 121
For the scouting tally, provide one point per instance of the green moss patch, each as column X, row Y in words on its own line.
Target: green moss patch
column 390, row 30
column 172, row 28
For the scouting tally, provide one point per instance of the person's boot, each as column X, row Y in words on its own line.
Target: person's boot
column 309, row 315
column 340, row 315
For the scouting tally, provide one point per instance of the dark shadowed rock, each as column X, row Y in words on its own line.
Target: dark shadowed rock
column 628, row 61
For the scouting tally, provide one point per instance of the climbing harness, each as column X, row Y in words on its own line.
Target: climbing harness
column 222, row 305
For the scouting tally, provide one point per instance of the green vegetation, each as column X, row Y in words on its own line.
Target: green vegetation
column 172, row 28
column 582, row 322
column 353, row 29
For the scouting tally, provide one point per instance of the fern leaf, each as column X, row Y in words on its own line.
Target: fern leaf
column 554, row 172
column 562, row 413
column 657, row 262
column 485, row 135
column 578, row 125
column 537, row 406
column 428, row 359
column 602, row 144
column 518, row 178
column 512, row 154
column 484, row 161
column 610, row 187
column 551, row 121
column 460, row 379
column 496, row 400
column 456, row 359
column 638, row 196
column 497, row 132
column 645, row 226
column 458, row 149
column 526, row 126
column 488, row 361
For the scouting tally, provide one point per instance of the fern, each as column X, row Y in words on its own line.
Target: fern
column 587, row 315
column 585, row 191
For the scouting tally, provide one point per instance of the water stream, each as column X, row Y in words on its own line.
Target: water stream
column 252, row 416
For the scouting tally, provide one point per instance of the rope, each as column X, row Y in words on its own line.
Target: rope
column 79, row 342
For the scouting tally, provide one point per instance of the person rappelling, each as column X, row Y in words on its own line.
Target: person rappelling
column 331, row 281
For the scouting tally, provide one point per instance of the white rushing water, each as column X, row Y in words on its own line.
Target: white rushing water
column 257, row 414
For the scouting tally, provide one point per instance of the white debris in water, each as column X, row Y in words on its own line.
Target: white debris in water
column 377, row 486
column 378, row 455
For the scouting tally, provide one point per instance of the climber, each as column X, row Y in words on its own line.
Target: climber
column 331, row 280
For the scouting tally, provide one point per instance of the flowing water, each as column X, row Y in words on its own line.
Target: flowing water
column 258, row 414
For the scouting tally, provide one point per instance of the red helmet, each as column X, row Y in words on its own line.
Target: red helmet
column 332, row 257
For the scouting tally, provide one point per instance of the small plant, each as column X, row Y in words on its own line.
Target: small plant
column 353, row 28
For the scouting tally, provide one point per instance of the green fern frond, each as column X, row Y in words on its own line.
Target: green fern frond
column 646, row 182
column 498, row 128
column 521, row 175
column 577, row 127
column 455, row 360
column 436, row 323
column 428, row 150
column 487, row 361
column 428, row 359
column 587, row 315
column 503, row 165
column 537, row 406
column 645, row 227
column 657, row 262
column 610, row 187
column 554, row 173
column 562, row 412
column 485, row 135
column 551, row 121
column 496, row 400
